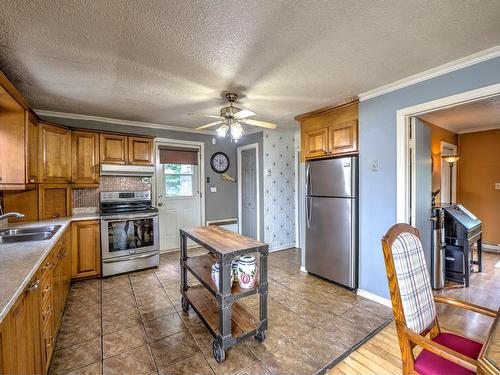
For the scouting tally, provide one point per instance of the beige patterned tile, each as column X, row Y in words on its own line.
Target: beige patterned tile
column 273, row 342
column 340, row 329
column 151, row 296
column 291, row 325
column 364, row 318
column 165, row 326
column 116, row 320
column 137, row 361
column 70, row 334
column 195, row 365
column 156, row 310
column 320, row 347
column 256, row 369
column 290, row 360
column 172, row 349
column 237, row 358
column 76, row 356
column 126, row 339
column 93, row 369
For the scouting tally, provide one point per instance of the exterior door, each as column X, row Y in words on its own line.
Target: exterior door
column 178, row 199
column 249, row 193
column 423, row 185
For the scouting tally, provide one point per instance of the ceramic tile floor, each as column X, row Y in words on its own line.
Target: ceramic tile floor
column 134, row 324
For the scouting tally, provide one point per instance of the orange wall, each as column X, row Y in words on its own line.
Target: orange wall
column 439, row 135
column 478, row 171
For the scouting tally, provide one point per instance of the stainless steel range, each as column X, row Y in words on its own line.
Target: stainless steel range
column 129, row 232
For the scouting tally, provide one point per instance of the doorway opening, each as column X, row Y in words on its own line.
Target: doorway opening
column 179, row 189
column 249, row 191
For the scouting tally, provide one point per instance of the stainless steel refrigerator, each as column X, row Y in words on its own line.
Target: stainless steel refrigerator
column 332, row 219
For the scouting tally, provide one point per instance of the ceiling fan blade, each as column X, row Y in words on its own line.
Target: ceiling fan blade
column 244, row 113
column 209, row 125
column 213, row 116
column 262, row 124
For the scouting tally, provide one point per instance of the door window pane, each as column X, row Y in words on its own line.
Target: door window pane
column 178, row 180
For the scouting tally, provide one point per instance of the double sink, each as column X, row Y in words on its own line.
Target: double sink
column 38, row 233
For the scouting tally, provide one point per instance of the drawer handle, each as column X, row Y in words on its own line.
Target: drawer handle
column 34, row 286
column 54, row 216
column 449, row 258
column 49, row 287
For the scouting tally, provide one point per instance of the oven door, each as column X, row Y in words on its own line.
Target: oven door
column 124, row 235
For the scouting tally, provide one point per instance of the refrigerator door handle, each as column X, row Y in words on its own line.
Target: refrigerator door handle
column 308, row 179
column 308, row 211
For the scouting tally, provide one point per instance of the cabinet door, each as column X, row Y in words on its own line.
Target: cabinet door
column 85, row 161
column 113, row 149
column 31, row 132
column 343, row 138
column 85, row 249
column 55, row 154
column 54, row 201
column 12, row 167
column 316, row 143
column 140, row 151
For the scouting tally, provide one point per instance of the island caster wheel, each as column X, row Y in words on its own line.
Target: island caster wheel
column 184, row 304
column 260, row 337
column 218, row 352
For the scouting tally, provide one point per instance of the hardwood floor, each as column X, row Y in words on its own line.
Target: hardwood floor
column 381, row 354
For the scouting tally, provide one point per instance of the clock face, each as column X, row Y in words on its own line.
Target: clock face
column 219, row 162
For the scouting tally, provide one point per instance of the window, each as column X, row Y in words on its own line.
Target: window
column 178, row 180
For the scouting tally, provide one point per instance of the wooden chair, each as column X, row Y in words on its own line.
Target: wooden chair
column 413, row 304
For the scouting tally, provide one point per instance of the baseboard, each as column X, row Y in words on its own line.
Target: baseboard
column 491, row 247
column 282, row 247
column 303, row 269
column 375, row 298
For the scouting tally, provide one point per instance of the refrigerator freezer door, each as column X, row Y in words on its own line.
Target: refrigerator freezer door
column 330, row 249
column 331, row 177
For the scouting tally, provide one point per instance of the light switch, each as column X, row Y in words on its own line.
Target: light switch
column 213, row 189
column 497, row 185
column 214, row 141
column 374, row 166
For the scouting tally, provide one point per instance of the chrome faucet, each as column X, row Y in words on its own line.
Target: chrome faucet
column 17, row 215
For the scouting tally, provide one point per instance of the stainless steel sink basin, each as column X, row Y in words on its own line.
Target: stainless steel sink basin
column 30, row 230
column 38, row 233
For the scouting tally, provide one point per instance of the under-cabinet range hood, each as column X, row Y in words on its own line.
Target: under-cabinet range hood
column 127, row 170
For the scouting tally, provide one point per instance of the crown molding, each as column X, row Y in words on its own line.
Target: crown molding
column 452, row 66
column 75, row 116
column 479, row 129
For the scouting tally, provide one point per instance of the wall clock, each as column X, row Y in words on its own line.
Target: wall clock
column 219, row 162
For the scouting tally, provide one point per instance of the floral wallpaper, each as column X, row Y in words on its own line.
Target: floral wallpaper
column 279, row 189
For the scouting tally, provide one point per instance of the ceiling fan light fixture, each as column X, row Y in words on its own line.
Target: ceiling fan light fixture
column 222, row 131
column 236, row 131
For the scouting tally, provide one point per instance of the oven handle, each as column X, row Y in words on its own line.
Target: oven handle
column 111, row 219
column 122, row 259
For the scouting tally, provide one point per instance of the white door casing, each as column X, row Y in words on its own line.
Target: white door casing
column 403, row 213
column 179, row 212
column 257, row 183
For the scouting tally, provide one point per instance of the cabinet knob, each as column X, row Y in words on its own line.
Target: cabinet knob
column 34, row 286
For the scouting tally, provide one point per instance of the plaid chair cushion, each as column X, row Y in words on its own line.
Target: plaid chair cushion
column 413, row 281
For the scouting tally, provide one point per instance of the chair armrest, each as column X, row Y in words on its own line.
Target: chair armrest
column 442, row 351
column 465, row 305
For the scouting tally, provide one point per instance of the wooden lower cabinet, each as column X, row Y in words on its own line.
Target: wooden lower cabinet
column 27, row 333
column 20, row 334
column 86, row 249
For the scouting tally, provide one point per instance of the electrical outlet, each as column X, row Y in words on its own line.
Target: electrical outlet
column 267, row 172
column 213, row 189
column 374, row 165
column 497, row 185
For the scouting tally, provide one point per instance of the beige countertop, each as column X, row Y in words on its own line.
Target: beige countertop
column 19, row 261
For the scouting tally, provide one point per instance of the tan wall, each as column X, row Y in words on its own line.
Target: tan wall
column 439, row 135
column 478, row 171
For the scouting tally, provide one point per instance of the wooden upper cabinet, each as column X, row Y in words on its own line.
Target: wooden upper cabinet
column 329, row 131
column 85, row 249
column 55, row 154
column 343, row 138
column 31, row 133
column 113, row 149
column 316, row 143
column 140, row 151
column 85, row 160
column 54, row 200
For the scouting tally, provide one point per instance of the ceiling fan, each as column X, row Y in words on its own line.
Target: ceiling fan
column 232, row 118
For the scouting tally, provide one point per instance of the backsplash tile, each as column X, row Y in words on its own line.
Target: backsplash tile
column 84, row 198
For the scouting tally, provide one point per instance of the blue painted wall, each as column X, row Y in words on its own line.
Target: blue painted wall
column 377, row 141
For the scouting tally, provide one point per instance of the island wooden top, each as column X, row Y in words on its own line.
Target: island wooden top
column 223, row 241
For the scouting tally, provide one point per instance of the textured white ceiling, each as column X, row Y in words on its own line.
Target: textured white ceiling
column 475, row 116
column 157, row 61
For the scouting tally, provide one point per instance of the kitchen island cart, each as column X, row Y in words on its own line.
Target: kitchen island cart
column 229, row 321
